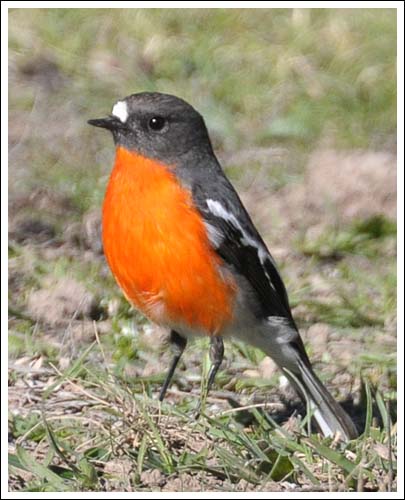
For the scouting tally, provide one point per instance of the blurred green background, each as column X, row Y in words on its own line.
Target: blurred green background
column 301, row 107
column 295, row 77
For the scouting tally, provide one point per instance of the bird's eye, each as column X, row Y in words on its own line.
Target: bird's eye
column 157, row 123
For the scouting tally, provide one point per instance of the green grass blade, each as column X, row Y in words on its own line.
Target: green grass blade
column 164, row 453
column 42, row 472
column 141, row 454
column 14, row 461
column 332, row 455
column 369, row 409
column 71, row 372
column 382, row 408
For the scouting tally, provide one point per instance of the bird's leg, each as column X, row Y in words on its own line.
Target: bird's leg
column 177, row 345
column 216, row 357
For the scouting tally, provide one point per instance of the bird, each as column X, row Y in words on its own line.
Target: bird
column 186, row 253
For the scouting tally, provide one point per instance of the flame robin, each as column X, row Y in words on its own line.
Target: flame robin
column 186, row 253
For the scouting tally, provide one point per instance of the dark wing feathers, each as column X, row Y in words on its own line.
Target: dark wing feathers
column 241, row 246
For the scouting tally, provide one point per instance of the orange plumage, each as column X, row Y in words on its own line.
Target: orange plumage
column 157, row 246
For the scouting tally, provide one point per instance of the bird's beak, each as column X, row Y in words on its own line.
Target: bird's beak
column 110, row 123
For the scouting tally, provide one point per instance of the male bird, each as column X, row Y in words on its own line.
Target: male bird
column 186, row 253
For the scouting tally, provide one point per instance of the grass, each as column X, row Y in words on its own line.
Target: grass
column 273, row 85
column 118, row 422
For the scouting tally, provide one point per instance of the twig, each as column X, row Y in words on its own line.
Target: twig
column 248, row 407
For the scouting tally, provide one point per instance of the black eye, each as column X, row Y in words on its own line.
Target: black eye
column 157, row 123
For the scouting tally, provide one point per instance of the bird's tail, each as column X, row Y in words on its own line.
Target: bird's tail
column 329, row 415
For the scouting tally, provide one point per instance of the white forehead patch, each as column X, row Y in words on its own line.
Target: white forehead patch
column 120, row 110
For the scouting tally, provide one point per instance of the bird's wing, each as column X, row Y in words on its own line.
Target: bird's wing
column 235, row 238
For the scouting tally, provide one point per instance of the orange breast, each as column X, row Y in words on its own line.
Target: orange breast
column 157, row 247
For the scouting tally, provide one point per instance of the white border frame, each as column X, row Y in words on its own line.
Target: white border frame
column 4, row 225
